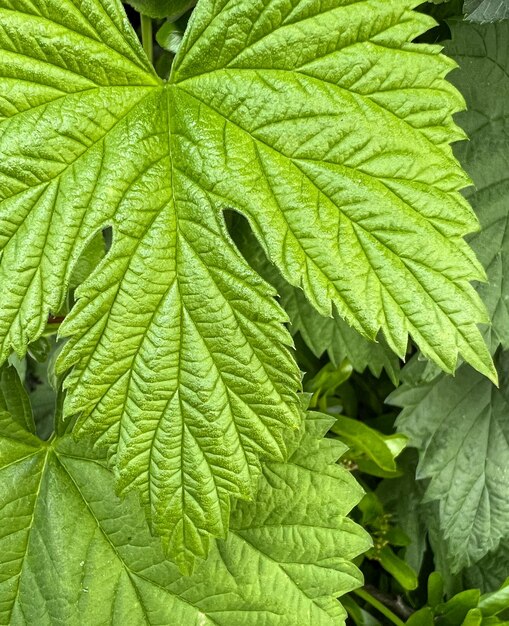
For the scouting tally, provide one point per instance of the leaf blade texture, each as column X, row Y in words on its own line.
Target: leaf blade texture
column 71, row 540
column 179, row 358
column 331, row 335
column 482, row 11
column 459, row 425
column 481, row 52
column 283, row 142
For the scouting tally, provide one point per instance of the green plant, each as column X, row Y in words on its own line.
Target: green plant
column 163, row 460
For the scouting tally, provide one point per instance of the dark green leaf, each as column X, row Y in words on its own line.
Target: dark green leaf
column 483, row 55
column 460, row 427
column 486, row 10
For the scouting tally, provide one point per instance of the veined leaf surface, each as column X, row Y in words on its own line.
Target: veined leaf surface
column 483, row 11
column 461, row 428
column 321, row 334
column 319, row 121
column 483, row 55
column 72, row 553
column 460, row 425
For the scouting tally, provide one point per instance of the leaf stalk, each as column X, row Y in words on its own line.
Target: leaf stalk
column 146, row 36
column 376, row 604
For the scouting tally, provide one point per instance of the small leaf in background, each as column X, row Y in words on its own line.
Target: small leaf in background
column 171, row 9
column 367, row 444
column 435, row 589
column 44, row 388
column 472, row 618
column 483, row 11
column 40, row 349
column 398, row 568
column 455, row 610
column 496, row 602
column 422, row 617
column 401, row 498
column 466, row 608
column 325, row 383
column 169, row 37
column 359, row 616
column 14, row 398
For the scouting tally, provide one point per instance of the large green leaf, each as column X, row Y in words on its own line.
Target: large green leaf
column 322, row 123
column 461, row 428
column 72, row 553
column 483, row 55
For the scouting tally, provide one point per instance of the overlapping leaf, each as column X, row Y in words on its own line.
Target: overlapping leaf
column 322, row 123
column 72, row 553
column 483, row 54
column 460, row 426
column 162, row 8
column 486, row 10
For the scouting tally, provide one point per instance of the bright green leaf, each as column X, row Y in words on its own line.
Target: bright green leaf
column 473, row 618
column 71, row 551
column 455, row 610
column 171, row 9
column 496, row 602
column 422, row 617
column 398, row 568
column 435, row 589
column 320, row 122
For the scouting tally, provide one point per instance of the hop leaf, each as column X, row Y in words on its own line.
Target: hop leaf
column 482, row 52
column 460, row 427
column 486, row 10
column 320, row 122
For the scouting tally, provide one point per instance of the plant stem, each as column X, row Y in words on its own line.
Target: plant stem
column 379, row 606
column 146, row 36
column 395, row 604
